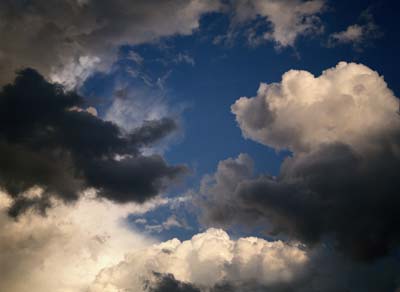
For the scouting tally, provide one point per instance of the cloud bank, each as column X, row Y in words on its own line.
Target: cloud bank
column 342, row 180
column 47, row 140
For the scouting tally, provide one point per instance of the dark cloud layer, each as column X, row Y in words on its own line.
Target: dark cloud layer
column 47, row 141
column 332, row 191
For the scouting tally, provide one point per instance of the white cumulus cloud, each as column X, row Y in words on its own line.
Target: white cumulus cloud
column 347, row 103
column 205, row 260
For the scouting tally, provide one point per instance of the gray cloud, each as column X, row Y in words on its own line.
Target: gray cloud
column 80, row 36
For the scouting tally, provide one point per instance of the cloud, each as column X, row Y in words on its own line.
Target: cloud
column 348, row 103
column 81, row 36
column 42, row 126
column 213, row 262
column 205, row 260
column 286, row 20
column 342, row 179
column 358, row 35
column 65, row 250
column 92, row 248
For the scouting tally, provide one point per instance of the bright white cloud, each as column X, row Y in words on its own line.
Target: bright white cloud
column 347, row 103
column 208, row 258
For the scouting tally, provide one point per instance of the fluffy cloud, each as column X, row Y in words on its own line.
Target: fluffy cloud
column 287, row 19
column 348, row 103
column 207, row 259
column 213, row 262
column 80, row 36
column 64, row 251
column 43, row 124
column 342, row 180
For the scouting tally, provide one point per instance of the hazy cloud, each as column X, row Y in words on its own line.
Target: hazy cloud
column 285, row 20
column 357, row 35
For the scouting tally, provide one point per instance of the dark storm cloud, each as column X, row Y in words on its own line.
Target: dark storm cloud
column 332, row 191
column 46, row 141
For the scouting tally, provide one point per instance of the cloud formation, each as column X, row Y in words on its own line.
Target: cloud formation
column 81, row 36
column 348, row 103
column 204, row 261
column 342, row 179
column 46, row 140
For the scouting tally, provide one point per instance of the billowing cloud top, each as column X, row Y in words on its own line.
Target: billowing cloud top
column 348, row 103
column 207, row 259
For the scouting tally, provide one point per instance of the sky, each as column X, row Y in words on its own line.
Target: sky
column 199, row 146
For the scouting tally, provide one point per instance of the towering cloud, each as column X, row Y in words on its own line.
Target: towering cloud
column 342, row 180
column 80, row 36
column 46, row 140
